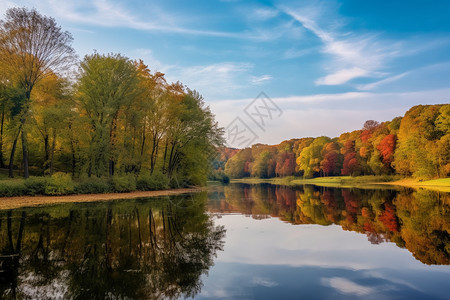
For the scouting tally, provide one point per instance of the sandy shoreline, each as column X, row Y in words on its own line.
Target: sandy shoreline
column 25, row 201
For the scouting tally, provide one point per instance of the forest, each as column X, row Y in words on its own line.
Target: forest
column 104, row 116
column 416, row 145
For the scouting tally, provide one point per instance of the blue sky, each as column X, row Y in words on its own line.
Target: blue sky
column 329, row 65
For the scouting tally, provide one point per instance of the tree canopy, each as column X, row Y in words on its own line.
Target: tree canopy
column 114, row 118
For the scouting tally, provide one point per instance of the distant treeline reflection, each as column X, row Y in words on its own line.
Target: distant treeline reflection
column 142, row 249
column 416, row 220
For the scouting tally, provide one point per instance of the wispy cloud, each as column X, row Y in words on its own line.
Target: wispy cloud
column 294, row 53
column 151, row 61
column 258, row 80
column 352, row 55
column 219, row 79
column 112, row 14
column 108, row 14
column 373, row 85
column 342, row 76
column 265, row 13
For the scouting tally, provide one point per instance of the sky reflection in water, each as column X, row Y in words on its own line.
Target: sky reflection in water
column 266, row 258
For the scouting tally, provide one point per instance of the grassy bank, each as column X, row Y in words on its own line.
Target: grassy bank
column 62, row 184
column 442, row 185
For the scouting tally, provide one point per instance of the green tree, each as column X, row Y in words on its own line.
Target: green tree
column 106, row 85
column 311, row 156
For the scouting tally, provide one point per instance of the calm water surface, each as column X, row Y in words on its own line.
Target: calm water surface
column 236, row 242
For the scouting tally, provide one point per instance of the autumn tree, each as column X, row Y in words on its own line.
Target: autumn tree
column 387, row 148
column 106, row 85
column 31, row 47
column 331, row 163
column 422, row 148
column 311, row 156
column 49, row 111
column 350, row 165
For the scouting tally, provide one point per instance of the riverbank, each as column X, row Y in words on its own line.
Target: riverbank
column 26, row 201
column 441, row 185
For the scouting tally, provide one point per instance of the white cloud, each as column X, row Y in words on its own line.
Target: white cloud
column 258, row 80
column 373, row 85
column 346, row 286
column 294, row 53
column 265, row 13
column 212, row 80
column 352, row 55
column 112, row 14
column 342, row 76
column 152, row 62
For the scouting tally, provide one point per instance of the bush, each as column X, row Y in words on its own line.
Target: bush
column 59, row 184
column 123, row 183
column 93, row 185
column 156, row 181
column 11, row 188
column 35, row 185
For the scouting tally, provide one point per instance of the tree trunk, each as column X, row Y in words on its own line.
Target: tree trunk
column 111, row 168
column 13, row 152
column 72, row 149
column 46, row 150
column 52, row 153
column 2, row 162
column 26, row 173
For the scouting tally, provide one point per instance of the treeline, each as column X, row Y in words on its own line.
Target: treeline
column 114, row 117
column 416, row 145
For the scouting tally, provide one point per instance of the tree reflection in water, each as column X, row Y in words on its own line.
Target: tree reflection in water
column 137, row 249
column 416, row 220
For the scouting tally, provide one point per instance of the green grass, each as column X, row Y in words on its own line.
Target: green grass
column 4, row 174
column 436, row 182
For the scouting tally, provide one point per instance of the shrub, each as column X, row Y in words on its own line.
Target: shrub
column 123, row 183
column 156, row 181
column 59, row 184
column 93, row 185
column 11, row 188
column 35, row 185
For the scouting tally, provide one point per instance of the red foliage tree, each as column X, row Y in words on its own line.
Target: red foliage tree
column 365, row 136
column 387, row 148
column 330, row 163
column 350, row 165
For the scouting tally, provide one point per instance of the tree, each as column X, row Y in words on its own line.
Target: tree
column 350, row 166
column 192, row 137
column 387, row 148
column 332, row 159
column 370, row 125
column 31, row 47
column 311, row 156
column 50, row 110
column 106, row 84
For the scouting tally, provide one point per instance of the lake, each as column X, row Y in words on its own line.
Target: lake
column 237, row 241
